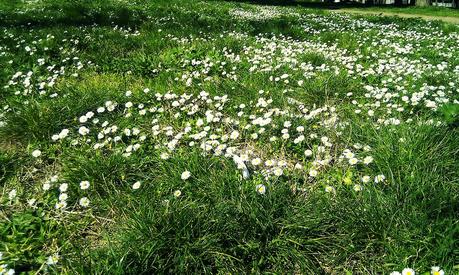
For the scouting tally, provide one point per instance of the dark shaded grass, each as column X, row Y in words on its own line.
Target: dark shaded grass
column 8, row 165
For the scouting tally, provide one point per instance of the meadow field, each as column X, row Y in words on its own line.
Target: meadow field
column 167, row 136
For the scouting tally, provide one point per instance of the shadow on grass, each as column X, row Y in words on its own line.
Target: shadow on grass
column 72, row 13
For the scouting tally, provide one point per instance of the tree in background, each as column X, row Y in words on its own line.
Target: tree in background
column 398, row 3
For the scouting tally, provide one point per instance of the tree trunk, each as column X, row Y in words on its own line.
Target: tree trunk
column 456, row 4
column 422, row 3
column 398, row 3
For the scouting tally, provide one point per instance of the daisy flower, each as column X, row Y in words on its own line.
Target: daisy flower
column 136, row 185
column 313, row 172
column 36, row 153
column 52, row 259
column 261, row 189
column 408, row 271
column 437, row 271
column 185, row 175
column 84, row 202
column 379, row 178
column 84, row 185
column 367, row 160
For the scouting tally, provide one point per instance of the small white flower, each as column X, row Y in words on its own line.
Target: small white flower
column 278, row 171
column 330, row 189
column 12, row 194
column 31, row 202
column 3, row 268
column 63, row 197
column 261, row 189
column 136, row 185
column 308, row 153
column 63, row 187
column 60, row 205
column 63, row 134
column 367, row 160
column 84, row 202
column 313, row 172
column 36, row 153
column 177, row 193
column 437, row 271
column 84, row 185
column 349, row 154
column 53, row 259
column 358, row 187
column 379, row 178
column 83, row 130
column 83, row 119
column 408, row 271
column 164, row 155
column 256, row 161
column 234, row 135
column 185, row 175
column 365, row 179
column 353, row 161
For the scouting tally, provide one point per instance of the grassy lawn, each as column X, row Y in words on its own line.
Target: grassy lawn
column 150, row 137
column 428, row 11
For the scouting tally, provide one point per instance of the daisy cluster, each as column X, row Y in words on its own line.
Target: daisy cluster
column 409, row 271
column 39, row 76
column 55, row 201
column 393, row 84
column 44, row 70
column 259, row 138
column 261, row 13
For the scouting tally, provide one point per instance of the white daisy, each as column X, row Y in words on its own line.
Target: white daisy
column 84, row 185
column 84, row 202
column 261, row 189
column 185, row 175
column 36, row 153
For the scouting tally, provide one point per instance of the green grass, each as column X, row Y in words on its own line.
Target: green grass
column 338, row 84
column 429, row 11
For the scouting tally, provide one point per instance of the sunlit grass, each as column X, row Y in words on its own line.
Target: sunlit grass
column 215, row 137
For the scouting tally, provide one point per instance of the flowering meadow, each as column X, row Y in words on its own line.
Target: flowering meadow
column 150, row 137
